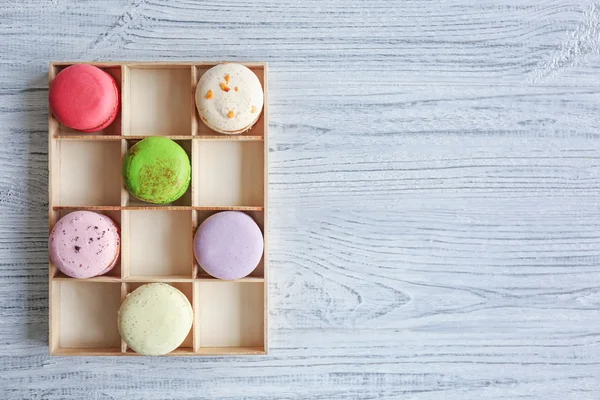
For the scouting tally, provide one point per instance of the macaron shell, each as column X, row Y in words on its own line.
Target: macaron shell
column 84, row 244
column 155, row 319
column 157, row 170
column 238, row 132
column 84, row 97
column 228, row 245
column 110, row 119
column 217, row 97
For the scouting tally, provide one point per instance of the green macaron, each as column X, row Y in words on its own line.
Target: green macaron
column 156, row 170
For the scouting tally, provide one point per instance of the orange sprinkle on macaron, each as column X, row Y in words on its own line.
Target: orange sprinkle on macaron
column 237, row 89
column 227, row 78
column 231, row 114
column 224, row 87
column 253, row 110
column 209, row 94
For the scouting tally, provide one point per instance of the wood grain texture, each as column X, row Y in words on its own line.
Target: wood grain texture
column 434, row 196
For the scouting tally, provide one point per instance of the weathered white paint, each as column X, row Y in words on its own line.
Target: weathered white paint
column 434, row 196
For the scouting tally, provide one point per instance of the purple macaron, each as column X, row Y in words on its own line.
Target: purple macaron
column 228, row 245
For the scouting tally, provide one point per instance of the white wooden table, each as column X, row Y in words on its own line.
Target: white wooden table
column 434, row 196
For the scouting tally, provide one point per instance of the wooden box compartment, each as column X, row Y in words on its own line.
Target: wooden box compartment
column 114, row 70
column 86, row 173
column 239, row 163
column 229, row 314
column 185, row 200
column 115, row 274
column 187, row 347
column 258, row 217
column 229, row 172
column 158, row 100
column 258, row 131
column 84, row 317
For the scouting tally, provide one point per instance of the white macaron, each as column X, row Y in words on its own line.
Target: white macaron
column 229, row 98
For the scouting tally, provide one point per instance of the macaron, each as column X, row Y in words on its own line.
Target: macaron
column 155, row 319
column 229, row 98
column 157, row 170
column 84, row 97
column 228, row 245
column 84, row 244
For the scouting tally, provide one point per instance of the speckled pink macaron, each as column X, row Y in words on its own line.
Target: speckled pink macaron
column 84, row 244
column 228, row 245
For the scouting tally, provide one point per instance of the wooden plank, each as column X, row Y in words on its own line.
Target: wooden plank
column 433, row 196
column 125, row 290
column 265, row 215
column 194, row 114
column 172, row 137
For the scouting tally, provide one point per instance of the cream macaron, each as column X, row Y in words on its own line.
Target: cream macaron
column 229, row 98
column 155, row 319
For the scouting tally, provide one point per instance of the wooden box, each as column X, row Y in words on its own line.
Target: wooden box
column 229, row 172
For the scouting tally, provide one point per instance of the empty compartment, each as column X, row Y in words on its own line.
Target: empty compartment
column 115, row 215
column 185, row 200
column 160, row 243
column 258, row 217
column 186, row 289
column 84, row 316
column 259, row 127
column 89, row 173
column 228, row 173
column 112, row 129
column 230, row 314
column 157, row 100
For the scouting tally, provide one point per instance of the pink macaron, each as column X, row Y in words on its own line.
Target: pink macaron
column 84, row 244
column 84, row 97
